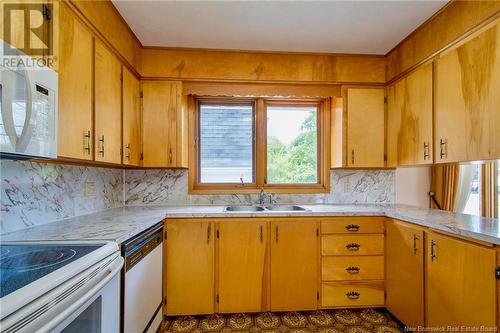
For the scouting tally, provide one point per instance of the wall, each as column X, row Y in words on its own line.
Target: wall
column 162, row 187
column 413, row 185
column 34, row 193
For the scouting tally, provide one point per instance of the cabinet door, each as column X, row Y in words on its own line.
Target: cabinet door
column 467, row 109
column 409, row 119
column 107, row 94
column 189, row 267
column 365, row 127
column 405, row 273
column 460, row 283
column 131, row 119
column 243, row 266
column 75, row 87
column 294, row 265
column 160, row 116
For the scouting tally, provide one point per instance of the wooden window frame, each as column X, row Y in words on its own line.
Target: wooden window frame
column 259, row 146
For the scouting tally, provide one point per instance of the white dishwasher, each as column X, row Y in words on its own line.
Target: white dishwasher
column 142, row 281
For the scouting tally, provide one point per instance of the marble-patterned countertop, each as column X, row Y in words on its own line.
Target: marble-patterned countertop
column 120, row 224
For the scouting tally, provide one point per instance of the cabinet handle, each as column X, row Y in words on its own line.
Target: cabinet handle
column 433, row 251
column 352, row 156
column 170, row 156
column 352, row 227
column 426, row 150
column 261, row 234
column 352, row 270
column 127, row 151
column 101, row 149
column 415, row 239
column 86, row 141
column 353, row 246
column 209, row 231
column 277, row 234
column 353, row 295
column 443, row 148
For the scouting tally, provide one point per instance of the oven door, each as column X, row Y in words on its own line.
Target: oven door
column 100, row 314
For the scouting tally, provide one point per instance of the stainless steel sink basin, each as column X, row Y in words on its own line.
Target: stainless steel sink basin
column 285, row 208
column 243, row 209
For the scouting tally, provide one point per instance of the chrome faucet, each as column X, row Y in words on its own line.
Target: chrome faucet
column 262, row 196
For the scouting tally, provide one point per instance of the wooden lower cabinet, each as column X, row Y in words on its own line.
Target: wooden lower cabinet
column 405, row 272
column 190, row 265
column 460, row 283
column 352, row 268
column 352, row 244
column 352, row 294
column 294, row 264
column 243, row 265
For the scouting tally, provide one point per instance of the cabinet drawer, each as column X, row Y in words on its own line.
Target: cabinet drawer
column 352, row 268
column 340, row 294
column 353, row 225
column 352, row 244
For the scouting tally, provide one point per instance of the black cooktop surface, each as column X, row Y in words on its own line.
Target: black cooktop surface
column 21, row 264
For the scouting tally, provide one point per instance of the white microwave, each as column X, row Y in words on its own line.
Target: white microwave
column 28, row 95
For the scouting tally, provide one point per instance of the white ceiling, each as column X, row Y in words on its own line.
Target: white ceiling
column 368, row 27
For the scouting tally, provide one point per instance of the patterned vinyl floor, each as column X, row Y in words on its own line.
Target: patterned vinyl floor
column 324, row 321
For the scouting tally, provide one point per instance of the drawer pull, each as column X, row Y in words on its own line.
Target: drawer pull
column 352, row 295
column 353, row 246
column 352, row 227
column 352, row 270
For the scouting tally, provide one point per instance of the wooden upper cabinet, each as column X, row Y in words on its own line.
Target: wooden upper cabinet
column 107, row 107
column 405, row 272
column 409, row 119
column 460, row 283
column 294, row 265
column 467, row 106
column 75, row 87
column 131, row 118
column 243, row 266
column 365, row 127
column 189, row 267
column 164, row 124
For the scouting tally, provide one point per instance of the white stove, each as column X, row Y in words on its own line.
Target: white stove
column 60, row 287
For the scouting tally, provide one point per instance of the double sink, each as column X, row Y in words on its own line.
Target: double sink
column 273, row 208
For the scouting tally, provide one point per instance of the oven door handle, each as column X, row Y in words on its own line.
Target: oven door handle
column 112, row 270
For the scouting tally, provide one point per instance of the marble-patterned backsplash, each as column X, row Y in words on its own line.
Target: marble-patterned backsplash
column 38, row 193
column 170, row 187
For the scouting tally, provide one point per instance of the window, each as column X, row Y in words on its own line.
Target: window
column 226, row 143
column 241, row 145
column 470, row 178
column 292, row 149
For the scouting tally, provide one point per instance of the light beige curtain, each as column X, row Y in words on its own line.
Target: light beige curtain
column 444, row 185
column 489, row 190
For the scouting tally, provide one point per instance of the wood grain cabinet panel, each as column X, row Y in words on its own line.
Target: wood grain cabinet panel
column 352, row 294
column 409, row 119
column 163, row 124
column 131, row 118
column 467, row 106
column 107, row 107
column 352, row 244
column 294, row 265
column 190, row 265
column 405, row 272
column 75, row 87
column 460, row 283
column 352, row 268
column 243, row 265
column 365, row 127
column 352, row 225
